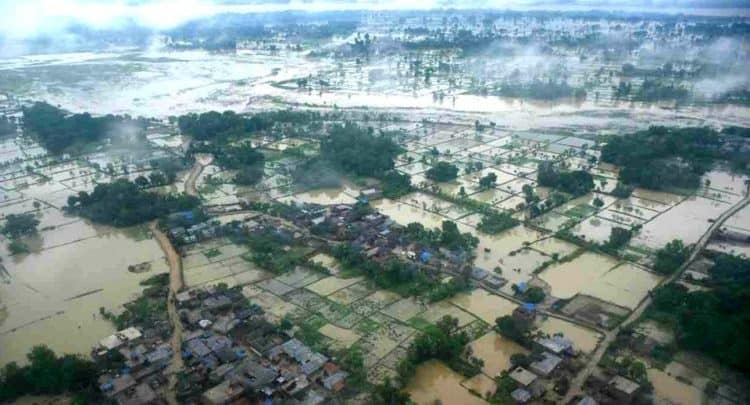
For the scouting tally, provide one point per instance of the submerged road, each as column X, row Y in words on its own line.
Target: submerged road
column 577, row 383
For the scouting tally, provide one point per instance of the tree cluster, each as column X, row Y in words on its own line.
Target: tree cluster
column 660, row 157
column 396, row 184
column 671, row 257
column 442, row 171
column 575, row 182
column 496, row 222
column 358, row 150
column 442, row 341
column 448, row 236
column 123, row 203
column 715, row 321
column 17, row 225
column 58, row 131
column 48, row 374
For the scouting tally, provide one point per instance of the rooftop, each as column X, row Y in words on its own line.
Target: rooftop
column 622, row 384
column 522, row 376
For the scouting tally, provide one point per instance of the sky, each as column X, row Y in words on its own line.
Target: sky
column 26, row 18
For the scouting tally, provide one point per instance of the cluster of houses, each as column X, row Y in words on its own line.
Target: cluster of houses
column 553, row 362
column 192, row 232
column 139, row 379
column 534, row 379
column 232, row 354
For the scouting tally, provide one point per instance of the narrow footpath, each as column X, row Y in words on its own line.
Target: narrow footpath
column 576, row 386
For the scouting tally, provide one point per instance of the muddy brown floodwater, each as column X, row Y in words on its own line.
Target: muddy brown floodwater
column 53, row 296
column 434, row 381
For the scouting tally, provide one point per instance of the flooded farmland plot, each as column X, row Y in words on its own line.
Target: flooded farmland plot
column 332, row 196
column 53, row 296
column 435, row 381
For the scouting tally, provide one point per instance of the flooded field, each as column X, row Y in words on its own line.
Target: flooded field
column 434, row 381
column 601, row 277
column 500, row 103
column 405, row 214
column 668, row 390
column 53, row 296
column 687, row 221
column 484, row 305
column 496, row 352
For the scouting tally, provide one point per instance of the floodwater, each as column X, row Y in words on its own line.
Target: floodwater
column 625, row 285
column 53, row 297
column 434, row 381
column 484, row 305
column 687, row 221
column 492, row 249
column 326, row 196
column 669, row 390
column 496, row 351
column 405, row 214
column 596, row 275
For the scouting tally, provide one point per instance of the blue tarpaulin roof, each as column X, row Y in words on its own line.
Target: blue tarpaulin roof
column 425, row 256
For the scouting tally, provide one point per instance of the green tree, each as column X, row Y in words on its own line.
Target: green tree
column 534, row 295
column 17, row 225
column 388, row 394
column 442, row 171
column 671, row 257
column 488, row 181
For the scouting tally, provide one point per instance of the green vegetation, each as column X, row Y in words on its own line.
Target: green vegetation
column 17, row 225
column 48, row 374
column 7, row 127
column 246, row 160
column 123, row 203
column 211, row 253
column 442, row 171
column 618, row 237
column 270, row 250
column 714, row 322
column 653, row 90
column 448, row 236
column 662, row 158
column 17, row 247
column 671, row 257
column 576, row 182
column 352, row 360
column 514, row 329
column 496, row 222
column 402, row 278
column 150, row 307
column 57, row 131
column 488, row 181
column 359, row 151
column 533, row 295
column 445, row 342
column 622, row 191
column 214, row 125
column 538, row 90
column 386, row 393
column 396, row 184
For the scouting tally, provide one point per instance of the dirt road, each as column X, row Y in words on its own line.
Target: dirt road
column 201, row 160
column 577, row 383
column 176, row 283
